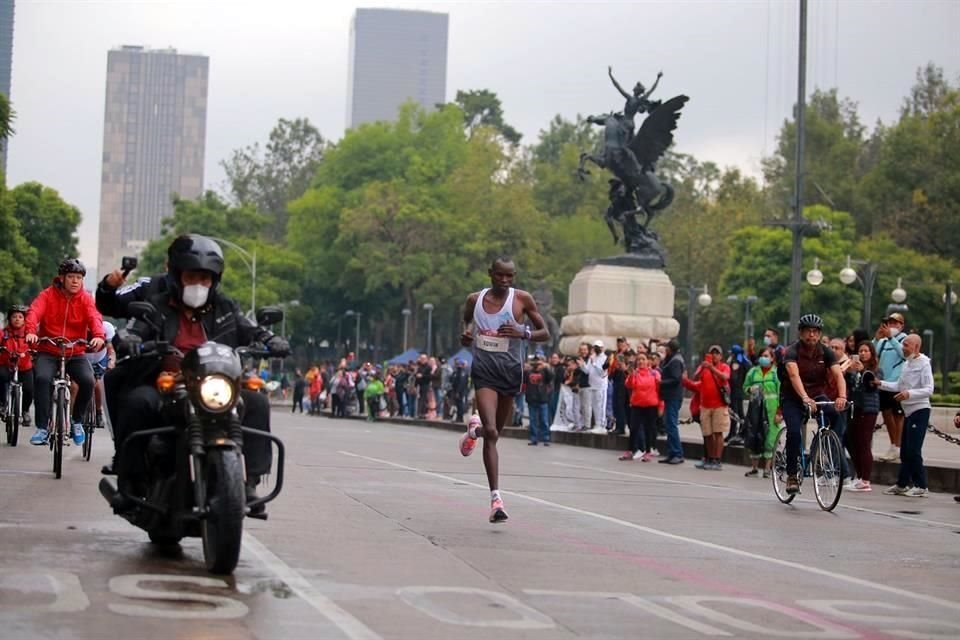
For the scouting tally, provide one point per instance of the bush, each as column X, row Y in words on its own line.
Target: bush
column 951, row 399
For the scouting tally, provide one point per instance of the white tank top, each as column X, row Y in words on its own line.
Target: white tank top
column 487, row 324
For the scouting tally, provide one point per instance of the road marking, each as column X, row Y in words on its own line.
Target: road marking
column 353, row 628
column 18, row 472
column 642, row 476
column 679, row 538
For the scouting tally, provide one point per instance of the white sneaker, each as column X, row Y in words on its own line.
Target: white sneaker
column 638, row 455
column 850, row 483
column 896, row 490
column 861, row 485
column 916, row 492
column 892, row 454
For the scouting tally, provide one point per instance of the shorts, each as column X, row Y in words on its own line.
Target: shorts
column 714, row 420
column 887, row 403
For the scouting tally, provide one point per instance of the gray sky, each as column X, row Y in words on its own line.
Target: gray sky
column 288, row 58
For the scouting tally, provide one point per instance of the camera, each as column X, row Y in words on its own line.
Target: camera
column 128, row 264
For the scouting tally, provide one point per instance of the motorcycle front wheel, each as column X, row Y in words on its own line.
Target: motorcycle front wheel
column 222, row 529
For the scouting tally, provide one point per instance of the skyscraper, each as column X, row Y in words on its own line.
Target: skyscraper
column 6, row 63
column 154, row 133
column 395, row 56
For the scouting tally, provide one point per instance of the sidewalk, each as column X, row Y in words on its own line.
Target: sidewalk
column 941, row 458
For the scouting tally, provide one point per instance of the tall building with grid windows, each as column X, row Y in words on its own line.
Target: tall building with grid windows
column 6, row 63
column 154, row 134
column 395, row 56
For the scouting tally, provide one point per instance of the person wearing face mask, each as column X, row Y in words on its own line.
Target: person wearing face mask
column 888, row 342
column 191, row 310
column 763, row 384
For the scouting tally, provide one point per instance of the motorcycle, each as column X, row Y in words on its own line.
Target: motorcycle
column 193, row 483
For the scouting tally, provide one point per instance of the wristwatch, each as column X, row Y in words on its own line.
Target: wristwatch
column 527, row 333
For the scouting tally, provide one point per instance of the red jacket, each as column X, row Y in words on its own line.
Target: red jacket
column 710, row 386
column 16, row 340
column 53, row 315
column 644, row 386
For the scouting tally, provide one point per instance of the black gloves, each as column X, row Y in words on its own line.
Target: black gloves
column 278, row 346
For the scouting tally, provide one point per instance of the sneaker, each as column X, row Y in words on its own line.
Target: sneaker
column 766, row 474
column 40, row 437
column 497, row 514
column 78, row 434
column 849, row 483
column 673, row 460
column 917, row 492
column 716, row 465
column 99, row 419
column 531, row 444
column 793, row 485
column 627, row 455
column 896, row 490
column 546, row 444
column 703, row 464
column 638, row 455
column 27, row 420
column 468, row 441
column 861, row 485
column 647, row 457
column 753, row 473
column 892, row 454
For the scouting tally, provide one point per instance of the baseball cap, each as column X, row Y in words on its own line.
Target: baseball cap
column 715, row 348
column 598, row 343
column 895, row 317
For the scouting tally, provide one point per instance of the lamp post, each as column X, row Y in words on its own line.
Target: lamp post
column 928, row 334
column 429, row 309
column 784, row 326
column 747, row 321
column 866, row 276
column 695, row 296
column 949, row 299
column 406, row 319
column 250, row 262
column 348, row 313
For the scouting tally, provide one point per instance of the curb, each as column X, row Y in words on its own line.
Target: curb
column 945, row 479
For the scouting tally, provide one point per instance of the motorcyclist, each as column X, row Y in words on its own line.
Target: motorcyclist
column 191, row 310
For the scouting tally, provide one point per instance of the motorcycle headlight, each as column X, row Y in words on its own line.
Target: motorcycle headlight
column 216, row 393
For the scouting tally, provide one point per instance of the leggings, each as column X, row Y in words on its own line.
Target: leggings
column 643, row 428
column 861, row 441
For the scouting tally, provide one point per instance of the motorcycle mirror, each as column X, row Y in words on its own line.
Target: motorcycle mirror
column 267, row 316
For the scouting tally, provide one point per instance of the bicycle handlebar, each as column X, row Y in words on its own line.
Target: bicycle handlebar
column 63, row 343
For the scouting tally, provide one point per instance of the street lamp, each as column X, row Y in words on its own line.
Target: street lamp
column 250, row 262
column 429, row 309
column 406, row 319
column 357, row 314
column 784, row 327
column 867, row 277
column 949, row 299
column 747, row 321
column 928, row 334
column 695, row 296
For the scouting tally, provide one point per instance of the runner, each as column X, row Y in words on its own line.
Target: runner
column 497, row 315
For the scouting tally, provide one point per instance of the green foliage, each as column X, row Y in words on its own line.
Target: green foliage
column 17, row 257
column 7, row 116
column 482, row 108
column 49, row 225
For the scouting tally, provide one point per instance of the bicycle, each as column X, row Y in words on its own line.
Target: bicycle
column 61, row 403
column 824, row 462
column 13, row 412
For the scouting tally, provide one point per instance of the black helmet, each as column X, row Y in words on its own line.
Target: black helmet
column 195, row 253
column 71, row 265
column 17, row 308
column 810, row 321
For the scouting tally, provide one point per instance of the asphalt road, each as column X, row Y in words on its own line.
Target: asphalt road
column 382, row 532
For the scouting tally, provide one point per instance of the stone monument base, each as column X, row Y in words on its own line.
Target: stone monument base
column 611, row 300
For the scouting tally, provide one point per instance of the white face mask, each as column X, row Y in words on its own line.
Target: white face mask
column 894, row 332
column 195, row 295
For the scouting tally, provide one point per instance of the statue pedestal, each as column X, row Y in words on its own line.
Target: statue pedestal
column 609, row 300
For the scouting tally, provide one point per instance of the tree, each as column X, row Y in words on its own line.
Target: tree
column 552, row 165
column 17, row 258
column 49, row 225
column 927, row 94
column 294, row 151
column 7, row 116
column 482, row 108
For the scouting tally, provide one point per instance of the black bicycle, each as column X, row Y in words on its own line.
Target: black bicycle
column 824, row 463
column 62, row 430
column 13, row 409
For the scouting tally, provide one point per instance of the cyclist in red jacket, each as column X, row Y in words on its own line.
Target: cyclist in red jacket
column 15, row 341
column 63, row 310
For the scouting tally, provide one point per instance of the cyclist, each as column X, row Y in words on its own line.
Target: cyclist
column 65, row 310
column 101, row 361
column 809, row 365
column 15, row 340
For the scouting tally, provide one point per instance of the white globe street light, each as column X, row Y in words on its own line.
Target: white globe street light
column 899, row 295
column 815, row 276
column 704, row 299
column 848, row 275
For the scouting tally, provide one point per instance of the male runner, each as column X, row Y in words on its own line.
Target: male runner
column 497, row 371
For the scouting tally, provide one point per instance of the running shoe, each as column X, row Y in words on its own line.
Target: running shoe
column 468, row 441
column 647, row 457
column 497, row 514
column 78, row 434
column 40, row 437
column 793, row 485
column 627, row 455
column 861, row 485
column 896, row 490
column 753, row 473
column 916, row 492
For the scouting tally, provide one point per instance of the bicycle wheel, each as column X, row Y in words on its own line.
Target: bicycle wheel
column 59, row 429
column 14, row 409
column 89, row 425
column 779, row 474
column 828, row 470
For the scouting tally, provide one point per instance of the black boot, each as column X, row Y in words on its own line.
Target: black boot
column 257, row 511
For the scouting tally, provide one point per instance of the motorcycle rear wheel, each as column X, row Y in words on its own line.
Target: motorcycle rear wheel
column 222, row 529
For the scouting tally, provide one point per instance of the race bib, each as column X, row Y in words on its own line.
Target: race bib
column 496, row 344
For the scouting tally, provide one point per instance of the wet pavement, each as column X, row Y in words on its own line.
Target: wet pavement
column 381, row 532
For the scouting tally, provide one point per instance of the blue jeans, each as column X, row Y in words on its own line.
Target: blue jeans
column 671, row 422
column 795, row 416
column 911, row 444
column 539, row 425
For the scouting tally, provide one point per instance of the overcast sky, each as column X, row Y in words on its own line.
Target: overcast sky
column 285, row 58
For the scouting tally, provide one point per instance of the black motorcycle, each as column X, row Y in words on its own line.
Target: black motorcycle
column 193, row 481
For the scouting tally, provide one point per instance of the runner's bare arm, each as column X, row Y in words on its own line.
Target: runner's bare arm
column 466, row 338
column 540, row 332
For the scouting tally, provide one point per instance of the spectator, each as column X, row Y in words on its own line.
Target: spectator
column 556, row 366
column 373, row 396
column 299, row 384
column 888, row 341
column 422, row 377
column 763, row 384
column 912, row 390
column 643, row 384
column 714, row 377
column 617, row 377
column 671, row 390
column 400, row 379
column 581, row 384
column 459, row 387
column 539, row 379
column 739, row 365
column 838, row 347
column 341, row 390
column 316, row 388
column 568, row 403
column 866, row 406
